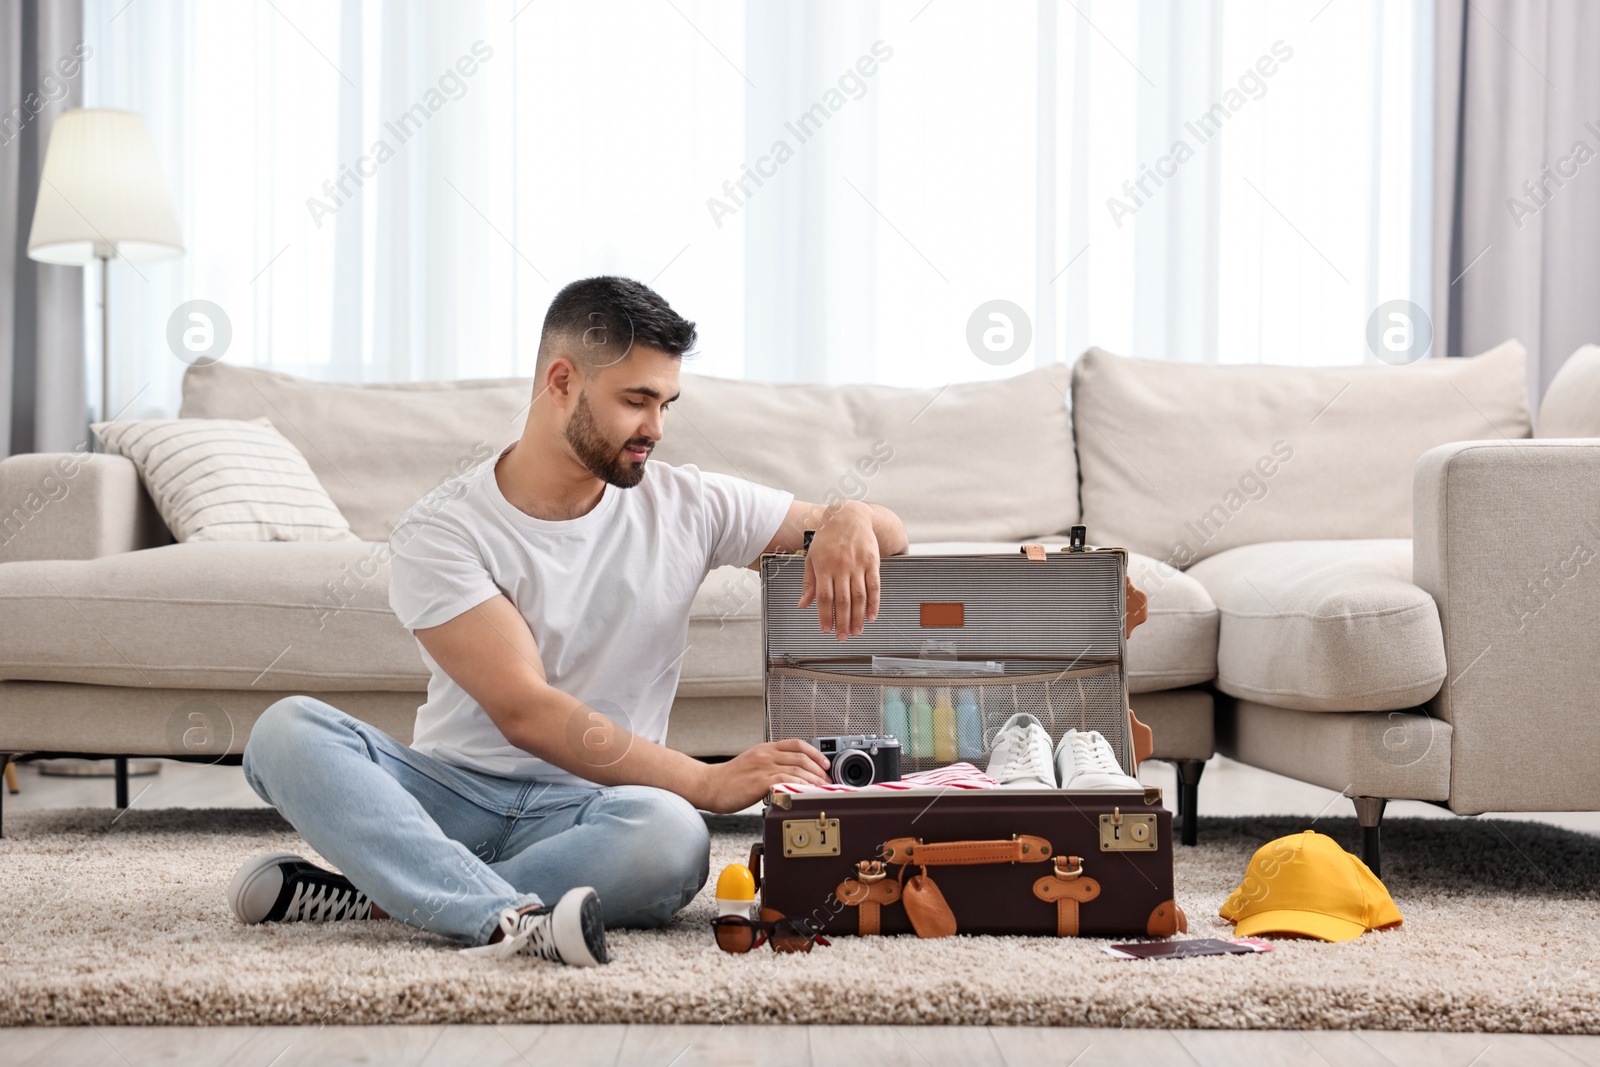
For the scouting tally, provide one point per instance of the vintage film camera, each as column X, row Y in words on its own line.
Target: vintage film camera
column 860, row 759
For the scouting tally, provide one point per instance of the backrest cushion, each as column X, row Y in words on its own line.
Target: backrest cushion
column 972, row 461
column 1571, row 406
column 376, row 447
column 1181, row 461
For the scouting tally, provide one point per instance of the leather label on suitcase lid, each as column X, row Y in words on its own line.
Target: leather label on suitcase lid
column 944, row 614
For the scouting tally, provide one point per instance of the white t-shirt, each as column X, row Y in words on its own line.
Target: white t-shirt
column 606, row 595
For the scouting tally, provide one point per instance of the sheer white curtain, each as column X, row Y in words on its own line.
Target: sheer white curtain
column 385, row 191
column 1266, row 233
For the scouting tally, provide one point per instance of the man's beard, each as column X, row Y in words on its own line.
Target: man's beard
column 603, row 459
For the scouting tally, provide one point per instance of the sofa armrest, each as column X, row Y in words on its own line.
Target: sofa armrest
column 70, row 505
column 1507, row 542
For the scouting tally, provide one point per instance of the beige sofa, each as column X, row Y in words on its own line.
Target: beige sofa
column 120, row 642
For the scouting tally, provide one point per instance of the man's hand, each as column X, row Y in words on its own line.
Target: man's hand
column 842, row 571
column 740, row 782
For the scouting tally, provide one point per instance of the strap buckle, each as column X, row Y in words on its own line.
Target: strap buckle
column 1074, row 865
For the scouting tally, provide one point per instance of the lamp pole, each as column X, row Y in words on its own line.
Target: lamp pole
column 105, row 337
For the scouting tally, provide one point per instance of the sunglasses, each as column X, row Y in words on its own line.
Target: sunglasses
column 737, row 934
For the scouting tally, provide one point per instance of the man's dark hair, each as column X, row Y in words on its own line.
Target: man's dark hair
column 598, row 321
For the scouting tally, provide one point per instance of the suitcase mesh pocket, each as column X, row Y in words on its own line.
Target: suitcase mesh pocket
column 945, row 719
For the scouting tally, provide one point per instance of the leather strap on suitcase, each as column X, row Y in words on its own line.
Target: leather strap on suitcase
column 870, row 890
column 1066, row 887
column 1019, row 849
column 925, row 905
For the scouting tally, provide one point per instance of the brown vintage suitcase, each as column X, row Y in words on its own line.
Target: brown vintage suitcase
column 1044, row 861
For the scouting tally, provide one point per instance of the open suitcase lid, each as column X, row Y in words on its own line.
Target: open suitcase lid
column 1055, row 620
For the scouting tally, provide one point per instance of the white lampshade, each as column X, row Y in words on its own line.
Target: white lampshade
column 102, row 193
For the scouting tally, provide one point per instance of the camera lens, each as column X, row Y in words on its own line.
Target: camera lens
column 854, row 768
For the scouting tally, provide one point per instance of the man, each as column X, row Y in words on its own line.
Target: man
column 549, row 589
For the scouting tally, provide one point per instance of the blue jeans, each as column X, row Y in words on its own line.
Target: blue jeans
column 445, row 849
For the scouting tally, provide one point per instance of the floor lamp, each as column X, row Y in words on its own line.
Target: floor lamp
column 102, row 196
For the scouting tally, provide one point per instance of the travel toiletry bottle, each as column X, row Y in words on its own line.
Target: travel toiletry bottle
column 736, row 891
column 969, row 726
column 944, row 727
column 921, row 724
column 896, row 723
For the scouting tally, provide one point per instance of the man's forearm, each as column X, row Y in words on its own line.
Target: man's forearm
column 572, row 735
column 886, row 525
column 890, row 531
column 561, row 729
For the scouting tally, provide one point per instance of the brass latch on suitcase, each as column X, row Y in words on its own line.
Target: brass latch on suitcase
column 1127, row 833
column 811, row 837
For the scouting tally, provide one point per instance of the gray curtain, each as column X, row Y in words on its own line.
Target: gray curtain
column 1517, row 179
column 44, row 400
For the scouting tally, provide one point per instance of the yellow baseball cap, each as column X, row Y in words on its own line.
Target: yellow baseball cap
column 1306, row 884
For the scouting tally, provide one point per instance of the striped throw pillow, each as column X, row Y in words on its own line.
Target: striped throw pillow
column 226, row 479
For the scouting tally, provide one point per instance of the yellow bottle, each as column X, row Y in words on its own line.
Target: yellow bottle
column 736, row 891
column 944, row 728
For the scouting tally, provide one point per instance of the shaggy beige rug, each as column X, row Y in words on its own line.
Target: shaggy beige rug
column 124, row 922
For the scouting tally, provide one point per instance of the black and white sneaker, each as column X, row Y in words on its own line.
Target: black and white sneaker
column 280, row 887
column 572, row 932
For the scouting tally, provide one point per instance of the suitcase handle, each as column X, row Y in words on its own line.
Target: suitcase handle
column 1021, row 848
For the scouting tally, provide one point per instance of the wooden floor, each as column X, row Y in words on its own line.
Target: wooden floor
column 1227, row 789
column 788, row 1046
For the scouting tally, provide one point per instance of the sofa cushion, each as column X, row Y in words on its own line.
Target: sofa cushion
column 969, row 461
column 203, row 724
column 376, row 447
column 1182, row 461
column 1571, row 405
column 284, row 615
column 1181, row 721
column 1175, row 646
column 723, row 656
column 1324, row 625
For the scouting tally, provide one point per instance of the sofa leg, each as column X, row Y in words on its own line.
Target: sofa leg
column 1369, row 813
column 10, row 774
column 122, row 782
column 1189, row 771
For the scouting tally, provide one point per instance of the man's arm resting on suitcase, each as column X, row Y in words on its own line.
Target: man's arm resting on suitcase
column 492, row 654
column 842, row 563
